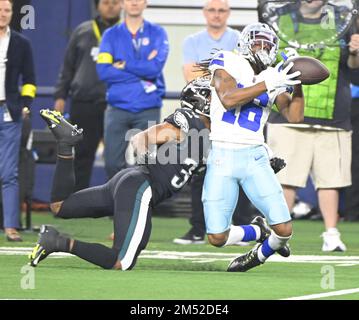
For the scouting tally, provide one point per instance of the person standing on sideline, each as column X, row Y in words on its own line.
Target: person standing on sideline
column 132, row 57
column 351, row 200
column 321, row 145
column 198, row 47
column 16, row 62
column 88, row 94
column 351, row 203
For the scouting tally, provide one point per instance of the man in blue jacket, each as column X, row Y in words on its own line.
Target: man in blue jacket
column 15, row 62
column 78, row 77
column 131, row 60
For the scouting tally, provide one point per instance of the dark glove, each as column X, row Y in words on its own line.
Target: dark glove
column 277, row 164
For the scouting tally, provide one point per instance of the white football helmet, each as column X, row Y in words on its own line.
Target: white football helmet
column 260, row 34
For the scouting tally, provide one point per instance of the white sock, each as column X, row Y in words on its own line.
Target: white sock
column 235, row 236
column 257, row 230
column 261, row 256
column 275, row 242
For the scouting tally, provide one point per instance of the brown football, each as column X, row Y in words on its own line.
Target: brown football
column 313, row 71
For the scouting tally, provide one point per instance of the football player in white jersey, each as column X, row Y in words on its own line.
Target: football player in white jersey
column 244, row 89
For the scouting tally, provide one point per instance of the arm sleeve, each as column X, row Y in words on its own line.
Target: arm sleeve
column 104, row 67
column 28, row 91
column 67, row 72
column 151, row 69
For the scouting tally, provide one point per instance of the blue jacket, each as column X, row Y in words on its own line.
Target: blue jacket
column 139, row 84
column 19, row 63
column 355, row 92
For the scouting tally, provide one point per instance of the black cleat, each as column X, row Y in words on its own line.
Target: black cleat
column 285, row 251
column 190, row 238
column 266, row 232
column 63, row 131
column 262, row 224
column 246, row 261
column 48, row 243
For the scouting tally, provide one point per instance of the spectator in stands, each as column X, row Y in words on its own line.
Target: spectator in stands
column 16, row 62
column 217, row 35
column 322, row 144
column 79, row 78
column 351, row 203
column 131, row 60
column 198, row 47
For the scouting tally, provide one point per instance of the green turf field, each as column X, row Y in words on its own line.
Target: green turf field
column 169, row 271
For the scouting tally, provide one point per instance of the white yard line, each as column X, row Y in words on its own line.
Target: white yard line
column 16, row 251
column 204, row 257
column 324, row 295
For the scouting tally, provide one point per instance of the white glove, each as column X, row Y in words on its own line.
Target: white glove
column 278, row 78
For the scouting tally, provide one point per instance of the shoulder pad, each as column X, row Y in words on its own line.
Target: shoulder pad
column 235, row 64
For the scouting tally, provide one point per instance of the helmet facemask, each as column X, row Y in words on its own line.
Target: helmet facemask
column 265, row 53
column 262, row 36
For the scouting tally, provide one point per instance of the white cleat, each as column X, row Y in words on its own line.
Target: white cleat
column 332, row 241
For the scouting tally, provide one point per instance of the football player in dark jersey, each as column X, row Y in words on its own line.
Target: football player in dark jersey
column 182, row 140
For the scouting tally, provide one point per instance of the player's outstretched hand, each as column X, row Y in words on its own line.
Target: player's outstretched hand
column 277, row 77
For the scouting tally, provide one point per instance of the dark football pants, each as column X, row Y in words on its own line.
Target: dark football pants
column 127, row 197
